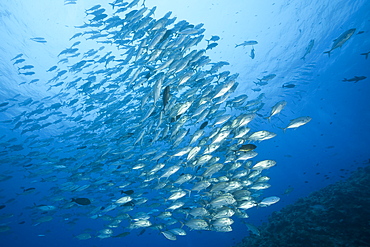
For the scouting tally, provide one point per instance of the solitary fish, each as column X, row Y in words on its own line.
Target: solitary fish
column 288, row 85
column 250, row 42
column 295, row 123
column 252, row 53
column 338, row 42
column 355, row 79
column 308, row 48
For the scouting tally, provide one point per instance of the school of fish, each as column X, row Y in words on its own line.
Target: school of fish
column 142, row 132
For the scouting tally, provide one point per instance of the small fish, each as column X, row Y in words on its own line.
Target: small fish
column 288, row 190
column 76, row 35
column 211, row 46
column 250, row 42
column 308, row 48
column 26, row 67
column 19, row 61
column 338, row 42
column 28, row 189
column 267, row 77
column 166, row 95
column 203, row 125
column 16, row 57
column 268, row 201
column 52, row 68
column 38, row 39
column 127, row 192
column 121, row 235
column 277, row 108
column 213, row 38
column 28, row 73
column 355, row 79
column 81, row 201
column 247, row 147
column 252, row 53
column 46, row 207
column 295, row 123
column 289, row 85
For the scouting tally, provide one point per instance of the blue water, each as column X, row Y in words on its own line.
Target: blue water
column 325, row 150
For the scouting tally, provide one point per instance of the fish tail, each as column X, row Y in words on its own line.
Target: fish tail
column 345, row 79
column 268, row 118
column 284, row 129
column 328, row 52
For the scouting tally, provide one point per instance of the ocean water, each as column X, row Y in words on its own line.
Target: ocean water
column 77, row 144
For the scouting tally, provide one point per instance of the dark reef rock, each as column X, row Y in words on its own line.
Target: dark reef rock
column 337, row 215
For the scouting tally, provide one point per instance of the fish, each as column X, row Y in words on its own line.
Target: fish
column 127, row 192
column 46, row 207
column 276, row 109
column 16, row 57
column 265, row 164
column 121, row 235
column 267, row 77
column 213, row 38
column 252, row 53
column 268, row 201
column 154, row 134
column 297, row 122
column 81, row 201
column 19, row 61
column 288, row 85
column 288, row 190
column 308, row 49
column 166, row 96
column 253, row 229
column 343, row 38
column 355, row 79
column 169, row 235
column 178, row 231
column 211, row 46
column 247, row 147
column 38, row 39
column 261, row 135
column 197, row 224
column 249, row 42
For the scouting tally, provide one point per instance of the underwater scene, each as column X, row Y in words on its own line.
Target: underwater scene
column 184, row 123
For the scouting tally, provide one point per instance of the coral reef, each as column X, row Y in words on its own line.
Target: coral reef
column 337, row 215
